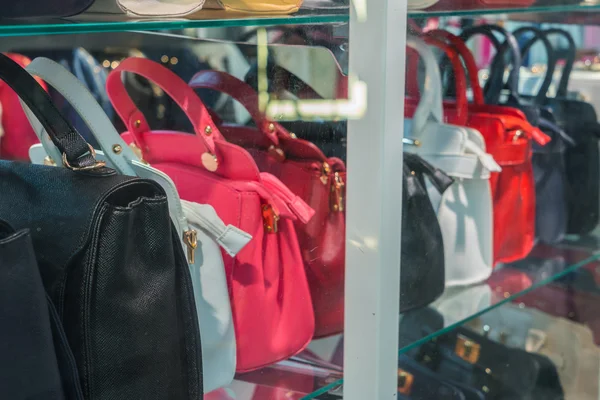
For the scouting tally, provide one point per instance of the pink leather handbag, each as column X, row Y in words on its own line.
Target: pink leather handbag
column 318, row 180
column 271, row 307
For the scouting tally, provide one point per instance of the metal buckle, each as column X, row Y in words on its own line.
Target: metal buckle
column 467, row 349
column 405, row 381
column 96, row 165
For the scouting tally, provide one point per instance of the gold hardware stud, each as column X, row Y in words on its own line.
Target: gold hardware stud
column 117, row 149
column 137, row 123
column 488, row 371
column 271, row 127
column 208, row 130
column 293, row 135
column 49, row 162
column 190, row 237
column 210, row 162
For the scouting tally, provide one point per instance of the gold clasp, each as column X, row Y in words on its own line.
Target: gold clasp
column 467, row 349
column 405, row 381
column 190, row 238
column 337, row 193
column 270, row 218
column 325, row 172
column 96, row 165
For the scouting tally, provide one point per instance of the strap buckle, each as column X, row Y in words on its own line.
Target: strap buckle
column 96, row 165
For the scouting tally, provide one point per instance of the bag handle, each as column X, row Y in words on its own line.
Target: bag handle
column 204, row 127
column 459, row 74
column 430, row 104
column 492, row 93
column 569, row 58
column 75, row 153
column 467, row 57
column 537, row 35
column 439, row 179
column 243, row 94
column 124, row 160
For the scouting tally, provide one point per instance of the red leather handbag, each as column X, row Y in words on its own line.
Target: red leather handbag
column 18, row 135
column 508, row 138
column 270, row 300
column 316, row 179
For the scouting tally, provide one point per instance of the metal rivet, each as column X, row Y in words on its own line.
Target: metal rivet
column 137, row 123
column 210, row 162
column 413, row 173
column 208, row 130
column 488, row 371
column 293, row 135
column 117, row 149
column 271, row 127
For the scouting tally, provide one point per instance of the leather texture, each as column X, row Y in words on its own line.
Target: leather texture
column 465, row 210
column 39, row 362
column 255, row 6
column 102, row 243
column 207, row 271
column 508, row 138
column 582, row 159
column 548, row 160
column 272, row 320
column 422, row 243
column 18, row 135
column 318, row 180
column 41, row 8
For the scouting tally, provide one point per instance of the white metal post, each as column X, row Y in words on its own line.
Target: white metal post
column 374, row 201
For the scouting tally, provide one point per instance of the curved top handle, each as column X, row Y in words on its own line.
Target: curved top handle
column 459, row 75
column 185, row 97
column 538, row 34
column 242, row 93
column 115, row 149
column 430, row 105
column 76, row 153
column 492, row 93
column 569, row 58
column 463, row 51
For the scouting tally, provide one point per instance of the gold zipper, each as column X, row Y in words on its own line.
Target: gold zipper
column 190, row 238
column 337, row 193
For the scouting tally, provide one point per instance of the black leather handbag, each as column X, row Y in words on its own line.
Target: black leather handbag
column 110, row 261
column 422, row 245
column 548, row 161
column 582, row 160
column 37, row 362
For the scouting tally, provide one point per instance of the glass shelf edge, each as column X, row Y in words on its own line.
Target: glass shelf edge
column 488, row 11
column 64, row 26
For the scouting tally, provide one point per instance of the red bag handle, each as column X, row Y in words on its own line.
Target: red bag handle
column 247, row 96
column 204, row 127
column 244, row 94
column 460, row 81
column 467, row 57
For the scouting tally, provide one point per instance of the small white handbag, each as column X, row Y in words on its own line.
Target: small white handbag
column 146, row 8
column 420, row 4
column 464, row 210
column 207, row 270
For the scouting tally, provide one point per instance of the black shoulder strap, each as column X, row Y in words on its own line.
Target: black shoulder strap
column 63, row 134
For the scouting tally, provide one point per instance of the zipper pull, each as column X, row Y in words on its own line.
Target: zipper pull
column 337, row 193
column 325, row 172
column 190, row 238
column 270, row 218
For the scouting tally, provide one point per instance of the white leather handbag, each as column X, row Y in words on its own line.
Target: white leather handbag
column 420, row 4
column 464, row 210
column 190, row 219
column 146, row 8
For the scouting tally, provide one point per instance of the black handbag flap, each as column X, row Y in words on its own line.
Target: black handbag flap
column 40, row 198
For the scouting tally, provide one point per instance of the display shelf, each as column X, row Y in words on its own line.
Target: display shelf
column 87, row 23
column 561, row 10
column 575, row 263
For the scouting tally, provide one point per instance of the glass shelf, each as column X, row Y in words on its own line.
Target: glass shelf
column 573, row 264
column 87, row 23
column 562, row 11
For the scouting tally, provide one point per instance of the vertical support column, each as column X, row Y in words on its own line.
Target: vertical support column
column 374, row 201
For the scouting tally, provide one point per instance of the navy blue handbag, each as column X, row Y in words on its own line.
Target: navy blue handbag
column 42, row 8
